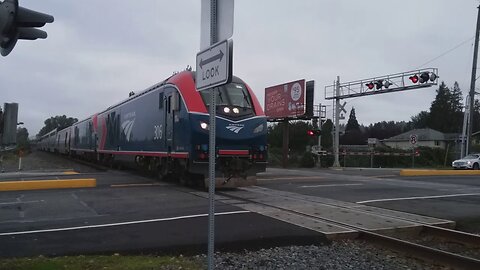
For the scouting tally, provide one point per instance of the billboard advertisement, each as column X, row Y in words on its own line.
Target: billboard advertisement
column 285, row 100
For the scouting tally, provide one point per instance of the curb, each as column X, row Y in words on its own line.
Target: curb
column 411, row 172
column 47, row 184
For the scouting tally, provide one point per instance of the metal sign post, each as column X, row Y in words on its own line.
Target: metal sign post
column 214, row 68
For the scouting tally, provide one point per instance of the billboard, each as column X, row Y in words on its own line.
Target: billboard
column 285, row 100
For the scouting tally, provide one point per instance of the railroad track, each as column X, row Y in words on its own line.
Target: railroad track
column 430, row 243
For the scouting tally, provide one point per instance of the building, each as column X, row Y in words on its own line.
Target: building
column 425, row 137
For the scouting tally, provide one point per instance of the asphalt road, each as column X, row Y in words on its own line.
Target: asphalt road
column 129, row 213
column 448, row 197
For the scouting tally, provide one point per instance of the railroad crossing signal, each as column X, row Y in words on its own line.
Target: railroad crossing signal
column 314, row 132
column 19, row 23
column 420, row 78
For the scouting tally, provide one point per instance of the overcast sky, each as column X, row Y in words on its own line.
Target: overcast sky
column 98, row 51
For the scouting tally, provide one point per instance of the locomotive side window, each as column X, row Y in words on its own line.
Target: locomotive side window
column 169, row 104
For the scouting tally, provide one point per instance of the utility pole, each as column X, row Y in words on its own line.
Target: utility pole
column 336, row 162
column 472, row 84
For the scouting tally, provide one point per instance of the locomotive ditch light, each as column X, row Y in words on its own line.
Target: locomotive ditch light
column 379, row 84
column 370, row 85
column 204, row 125
column 236, row 110
column 226, row 110
column 414, row 78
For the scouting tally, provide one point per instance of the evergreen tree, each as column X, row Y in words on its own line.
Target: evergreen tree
column 352, row 123
column 327, row 138
column 353, row 135
column 446, row 110
column 420, row 120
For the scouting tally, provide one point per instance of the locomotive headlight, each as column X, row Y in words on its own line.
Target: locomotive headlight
column 236, row 110
column 226, row 109
column 259, row 128
column 204, row 125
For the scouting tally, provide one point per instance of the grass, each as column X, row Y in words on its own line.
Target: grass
column 101, row 262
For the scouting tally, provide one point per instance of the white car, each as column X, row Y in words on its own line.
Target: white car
column 471, row 161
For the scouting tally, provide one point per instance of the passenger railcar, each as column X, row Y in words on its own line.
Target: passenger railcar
column 164, row 130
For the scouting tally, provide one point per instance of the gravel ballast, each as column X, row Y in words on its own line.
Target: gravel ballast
column 340, row 255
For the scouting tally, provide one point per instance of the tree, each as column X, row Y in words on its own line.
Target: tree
column 327, row 138
column 420, row 120
column 446, row 110
column 352, row 123
column 58, row 121
column 353, row 135
column 22, row 138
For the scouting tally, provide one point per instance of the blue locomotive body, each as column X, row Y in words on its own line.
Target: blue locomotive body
column 164, row 130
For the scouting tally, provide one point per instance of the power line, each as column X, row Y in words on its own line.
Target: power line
column 446, row 52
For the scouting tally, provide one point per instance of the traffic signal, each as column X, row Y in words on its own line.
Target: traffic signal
column 387, row 84
column 370, row 85
column 379, row 84
column 19, row 23
column 314, row 132
column 424, row 77
column 414, row 78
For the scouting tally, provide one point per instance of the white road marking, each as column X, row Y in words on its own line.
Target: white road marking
column 333, row 185
column 289, row 178
column 20, row 202
column 421, row 197
column 120, row 223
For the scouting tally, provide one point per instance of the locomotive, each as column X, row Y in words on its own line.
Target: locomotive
column 164, row 131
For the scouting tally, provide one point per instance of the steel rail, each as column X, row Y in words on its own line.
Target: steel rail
column 416, row 250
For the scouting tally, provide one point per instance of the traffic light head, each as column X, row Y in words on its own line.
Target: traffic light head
column 370, row 85
column 379, row 84
column 314, row 132
column 19, row 23
column 387, row 84
column 414, row 78
column 424, row 77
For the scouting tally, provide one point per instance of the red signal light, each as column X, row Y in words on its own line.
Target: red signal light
column 370, row 85
column 310, row 132
column 414, row 78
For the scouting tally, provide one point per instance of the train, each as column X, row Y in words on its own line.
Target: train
column 164, row 131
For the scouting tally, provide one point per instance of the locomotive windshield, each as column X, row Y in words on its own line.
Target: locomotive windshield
column 233, row 94
column 233, row 101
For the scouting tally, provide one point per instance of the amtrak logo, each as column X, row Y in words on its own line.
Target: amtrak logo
column 127, row 127
column 235, row 127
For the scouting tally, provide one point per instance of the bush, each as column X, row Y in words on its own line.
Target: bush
column 307, row 160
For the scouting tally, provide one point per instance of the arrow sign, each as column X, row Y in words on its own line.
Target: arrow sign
column 214, row 65
column 219, row 56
